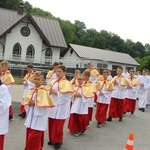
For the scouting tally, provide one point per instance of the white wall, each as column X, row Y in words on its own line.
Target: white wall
column 15, row 37
column 70, row 60
column 55, row 54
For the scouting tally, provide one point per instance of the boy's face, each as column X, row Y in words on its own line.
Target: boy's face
column 38, row 80
column 119, row 71
column 105, row 75
column 90, row 65
column 86, row 77
column 55, row 67
column 29, row 70
column 80, row 80
column 4, row 68
column 131, row 73
column 59, row 72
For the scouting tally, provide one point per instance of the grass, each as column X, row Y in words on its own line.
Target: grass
column 18, row 80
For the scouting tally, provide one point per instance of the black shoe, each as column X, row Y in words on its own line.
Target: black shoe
column 11, row 117
column 109, row 119
column 99, row 124
column 124, row 113
column 58, row 145
column 143, row 109
column 132, row 113
column 49, row 143
column 23, row 115
column 140, row 108
column 120, row 119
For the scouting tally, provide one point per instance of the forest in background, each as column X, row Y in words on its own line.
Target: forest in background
column 77, row 33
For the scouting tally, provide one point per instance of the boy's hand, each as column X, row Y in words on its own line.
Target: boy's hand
column 101, row 93
column 31, row 103
column 77, row 95
column 52, row 91
column 25, row 83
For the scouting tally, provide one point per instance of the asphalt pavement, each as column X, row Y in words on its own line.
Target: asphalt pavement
column 111, row 136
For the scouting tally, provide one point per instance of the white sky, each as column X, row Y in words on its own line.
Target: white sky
column 130, row 19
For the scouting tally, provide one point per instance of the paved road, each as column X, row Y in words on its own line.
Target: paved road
column 112, row 136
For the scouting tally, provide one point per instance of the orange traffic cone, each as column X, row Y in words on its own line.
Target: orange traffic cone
column 129, row 145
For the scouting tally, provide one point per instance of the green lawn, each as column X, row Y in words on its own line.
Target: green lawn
column 18, row 80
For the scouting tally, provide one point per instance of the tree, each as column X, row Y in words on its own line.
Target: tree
column 144, row 63
column 67, row 29
column 117, row 44
column 10, row 4
column 41, row 12
column 88, row 37
column 28, row 7
column 147, row 49
column 138, row 46
column 129, row 48
column 80, row 28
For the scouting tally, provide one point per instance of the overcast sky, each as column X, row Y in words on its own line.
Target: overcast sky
column 130, row 19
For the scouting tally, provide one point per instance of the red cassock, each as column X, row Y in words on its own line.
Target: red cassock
column 129, row 105
column 101, row 112
column 77, row 123
column 89, row 116
column 34, row 144
column 116, row 108
column 55, row 127
column 2, row 142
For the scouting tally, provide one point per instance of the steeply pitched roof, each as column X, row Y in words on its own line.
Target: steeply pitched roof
column 104, row 55
column 48, row 28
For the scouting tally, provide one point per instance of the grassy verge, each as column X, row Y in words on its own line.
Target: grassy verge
column 18, row 80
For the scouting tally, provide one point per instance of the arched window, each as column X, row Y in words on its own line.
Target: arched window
column 48, row 53
column 48, row 56
column 30, row 52
column 16, row 51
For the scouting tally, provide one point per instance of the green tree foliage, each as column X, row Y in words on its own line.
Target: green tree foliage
column 10, row 4
column 79, row 30
column 28, row 7
column 138, row 47
column 144, row 63
column 67, row 29
column 41, row 12
column 117, row 44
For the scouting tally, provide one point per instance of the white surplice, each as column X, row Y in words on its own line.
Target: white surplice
column 37, row 117
column 5, row 102
column 62, row 104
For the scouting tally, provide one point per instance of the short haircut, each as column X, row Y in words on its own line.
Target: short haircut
column 90, row 63
column 55, row 64
column 80, row 75
column 131, row 70
column 120, row 67
column 30, row 66
column 86, row 73
column 63, row 68
column 39, row 73
column 106, row 71
column 5, row 62
column 146, row 70
column 77, row 71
